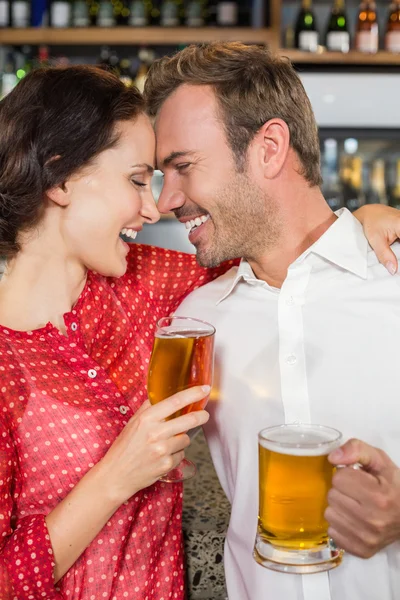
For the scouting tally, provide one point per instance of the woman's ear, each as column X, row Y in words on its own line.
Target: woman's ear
column 60, row 194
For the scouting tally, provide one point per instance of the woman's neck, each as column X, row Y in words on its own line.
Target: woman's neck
column 39, row 286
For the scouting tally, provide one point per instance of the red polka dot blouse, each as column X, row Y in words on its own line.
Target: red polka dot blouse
column 63, row 402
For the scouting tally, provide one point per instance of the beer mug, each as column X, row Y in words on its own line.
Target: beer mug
column 182, row 357
column 294, row 479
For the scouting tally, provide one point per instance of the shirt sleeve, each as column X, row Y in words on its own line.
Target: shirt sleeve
column 26, row 555
column 169, row 276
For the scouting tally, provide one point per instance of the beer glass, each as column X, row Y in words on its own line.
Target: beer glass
column 294, row 479
column 182, row 357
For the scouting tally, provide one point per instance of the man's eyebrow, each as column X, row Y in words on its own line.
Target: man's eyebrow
column 168, row 159
column 149, row 168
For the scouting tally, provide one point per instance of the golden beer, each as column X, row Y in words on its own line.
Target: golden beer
column 294, row 479
column 178, row 363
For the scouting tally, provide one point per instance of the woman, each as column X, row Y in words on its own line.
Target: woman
column 82, row 515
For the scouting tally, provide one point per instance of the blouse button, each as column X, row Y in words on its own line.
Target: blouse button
column 92, row 373
column 123, row 410
column 74, row 326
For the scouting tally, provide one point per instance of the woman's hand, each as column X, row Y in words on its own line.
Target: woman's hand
column 149, row 446
column 381, row 227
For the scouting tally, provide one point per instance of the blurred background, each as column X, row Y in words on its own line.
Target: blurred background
column 347, row 55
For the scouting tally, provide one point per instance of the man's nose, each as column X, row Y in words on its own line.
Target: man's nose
column 170, row 199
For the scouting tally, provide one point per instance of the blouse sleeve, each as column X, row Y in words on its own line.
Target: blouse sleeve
column 169, row 276
column 26, row 555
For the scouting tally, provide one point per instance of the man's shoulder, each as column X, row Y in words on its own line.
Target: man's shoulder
column 212, row 292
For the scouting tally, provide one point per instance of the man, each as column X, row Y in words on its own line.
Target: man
column 307, row 325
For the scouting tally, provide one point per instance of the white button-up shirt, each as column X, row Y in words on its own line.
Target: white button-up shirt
column 324, row 349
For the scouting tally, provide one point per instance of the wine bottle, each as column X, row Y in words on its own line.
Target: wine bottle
column 259, row 14
column 20, row 13
column 80, row 13
column 5, row 20
column 367, row 33
column 195, row 13
column 60, row 13
column 306, row 32
column 337, row 31
column 171, row 13
column 394, row 197
column 105, row 14
column 377, row 186
column 139, row 14
column 351, row 181
column 125, row 73
column 227, row 13
column 392, row 37
column 121, row 12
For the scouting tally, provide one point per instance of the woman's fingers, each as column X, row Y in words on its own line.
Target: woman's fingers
column 166, row 408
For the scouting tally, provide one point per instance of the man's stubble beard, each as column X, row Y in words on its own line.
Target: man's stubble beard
column 245, row 221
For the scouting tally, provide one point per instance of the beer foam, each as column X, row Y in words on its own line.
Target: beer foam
column 173, row 331
column 300, row 440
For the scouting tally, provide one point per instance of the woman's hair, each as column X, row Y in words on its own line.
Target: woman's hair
column 53, row 124
column 251, row 86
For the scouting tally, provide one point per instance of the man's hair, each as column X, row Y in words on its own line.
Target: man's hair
column 251, row 86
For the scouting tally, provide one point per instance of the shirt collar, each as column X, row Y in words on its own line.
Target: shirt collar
column 343, row 244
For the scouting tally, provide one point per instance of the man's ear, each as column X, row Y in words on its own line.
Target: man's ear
column 272, row 144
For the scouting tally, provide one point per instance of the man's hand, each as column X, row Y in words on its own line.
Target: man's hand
column 381, row 228
column 363, row 505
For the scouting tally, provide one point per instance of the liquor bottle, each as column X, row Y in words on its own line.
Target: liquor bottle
column 9, row 78
column 139, row 13
column 121, row 12
column 351, row 182
column 171, row 13
column 105, row 14
column 330, row 175
column 337, row 32
column 5, row 13
column 195, row 13
column 155, row 12
column 60, row 13
column 259, row 14
column 211, row 18
column 125, row 73
column 392, row 37
column 377, row 186
column 227, row 13
column 39, row 13
column 305, row 31
column 93, row 6
column 394, row 197
column 245, row 9
column 20, row 13
column 80, row 13
column 367, row 32
column 146, row 57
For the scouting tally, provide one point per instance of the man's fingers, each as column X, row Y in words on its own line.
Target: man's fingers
column 373, row 460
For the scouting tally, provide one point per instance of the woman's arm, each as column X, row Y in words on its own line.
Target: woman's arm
column 147, row 447
column 381, row 227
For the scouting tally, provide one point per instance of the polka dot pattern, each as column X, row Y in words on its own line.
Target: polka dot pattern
column 63, row 402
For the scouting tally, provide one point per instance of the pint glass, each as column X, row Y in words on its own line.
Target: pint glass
column 294, row 479
column 182, row 357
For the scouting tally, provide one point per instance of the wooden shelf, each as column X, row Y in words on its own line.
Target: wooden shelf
column 338, row 58
column 134, row 35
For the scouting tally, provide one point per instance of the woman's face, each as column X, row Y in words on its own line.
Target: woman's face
column 112, row 196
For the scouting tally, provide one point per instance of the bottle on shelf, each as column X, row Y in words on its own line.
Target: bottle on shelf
column 5, row 13
column 258, row 14
column 139, row 14
column 306, row 32
column 155, row 12
column 330, row 176
column 39, row 13
column 352, row 181
column 227, row 13
column 367, row 30
column 80, row 14
column 171, row 13
column 377, row 186
column 105, row 15
column 337, row 31
column 195, row 13
column 246, row 10
column 93, row 8
column 125, row 72
column 20, row 13
column 43, row 58
column 121, row 12
column 211, row 18
column 392, row 37
column 146, row 57
column 9, row 78
column 60, row 13
column 394, row 196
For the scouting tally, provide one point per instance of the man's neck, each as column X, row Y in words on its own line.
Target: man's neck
column 301, row 226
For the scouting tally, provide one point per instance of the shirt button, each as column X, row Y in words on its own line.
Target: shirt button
column 291, row 359
column 290, row 301
column 123, row 410
column 92, row 373
column 74, row 326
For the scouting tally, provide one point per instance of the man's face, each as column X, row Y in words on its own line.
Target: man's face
column 226, row 214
